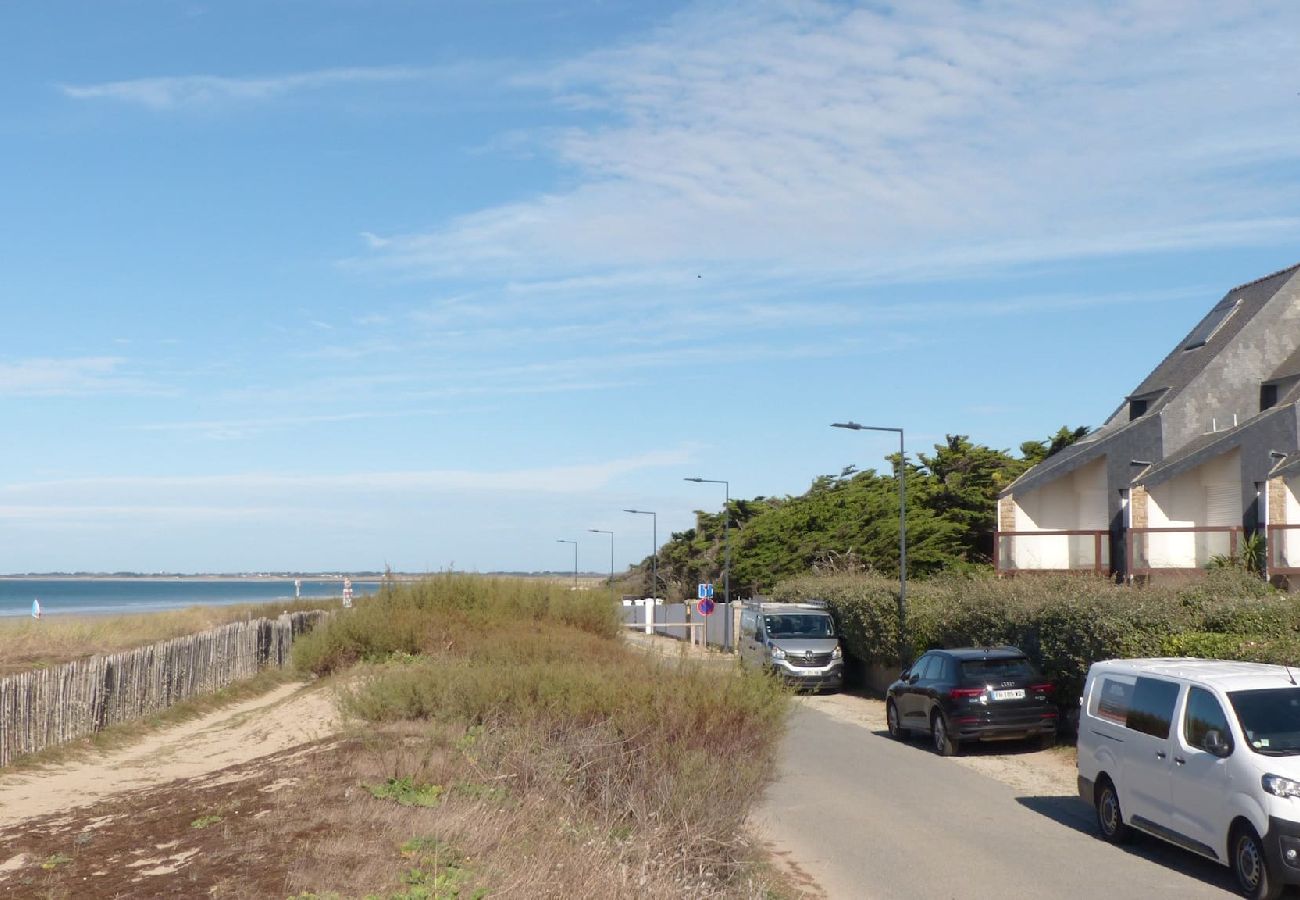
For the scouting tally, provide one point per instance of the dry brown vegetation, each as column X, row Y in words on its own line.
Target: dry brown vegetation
column 31, row 644
column 507, row 743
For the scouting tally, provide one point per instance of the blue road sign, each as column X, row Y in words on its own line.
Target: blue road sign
column 704, row 592
column 705, row 606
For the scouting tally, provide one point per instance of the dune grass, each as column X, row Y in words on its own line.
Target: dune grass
column 30, row 644
column 560, row 758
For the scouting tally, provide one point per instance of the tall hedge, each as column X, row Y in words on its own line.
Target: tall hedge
column 1064, row 623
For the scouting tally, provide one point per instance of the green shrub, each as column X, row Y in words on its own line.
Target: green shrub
column 1064, row 623
column 1203, row 644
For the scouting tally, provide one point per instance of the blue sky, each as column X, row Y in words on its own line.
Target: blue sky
column 335, row 284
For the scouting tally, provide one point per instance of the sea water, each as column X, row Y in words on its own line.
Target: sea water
column 101, row 596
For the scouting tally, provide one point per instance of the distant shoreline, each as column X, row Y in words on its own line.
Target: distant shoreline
column 330, row 576
column 365, row 576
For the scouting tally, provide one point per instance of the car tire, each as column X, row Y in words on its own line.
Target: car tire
column 891, row 721
column 1110, row 819
column 1249, row 864
column 944, row 744
column 1046, row 741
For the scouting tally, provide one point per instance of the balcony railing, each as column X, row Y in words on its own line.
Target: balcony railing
column 1284, row 549
column 1180, row 549
column 1076, row 550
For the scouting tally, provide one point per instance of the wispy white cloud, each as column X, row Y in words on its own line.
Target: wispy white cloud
column 232, row 429
column 73, row 376
column 82, row 516
column 899, row 141
column 583, row 478
column 181, row 91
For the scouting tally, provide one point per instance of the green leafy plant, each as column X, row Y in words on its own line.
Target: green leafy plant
column 406, row 792
column 205, row 821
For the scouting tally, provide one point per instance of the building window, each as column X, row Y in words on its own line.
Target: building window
column 1137, row 409
column 1267, row 396
column 1202, row 333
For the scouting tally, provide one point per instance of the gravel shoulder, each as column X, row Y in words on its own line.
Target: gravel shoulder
column 1034, row 772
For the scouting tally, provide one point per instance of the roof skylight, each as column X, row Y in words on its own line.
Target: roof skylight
column 1201, row 335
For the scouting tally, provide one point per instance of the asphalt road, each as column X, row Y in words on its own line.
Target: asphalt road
column 869, row 817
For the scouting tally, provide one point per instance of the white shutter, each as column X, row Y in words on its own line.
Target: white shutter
column 1093, row 514
column 1223, row 504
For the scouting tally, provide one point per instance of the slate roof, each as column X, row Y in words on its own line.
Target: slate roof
column 1290, row 367
column 1174, row 373
column 1199, row 450
column 1077, row 455
column 1178, row 369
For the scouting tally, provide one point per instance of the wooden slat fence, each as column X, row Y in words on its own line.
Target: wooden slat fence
column 46, row 707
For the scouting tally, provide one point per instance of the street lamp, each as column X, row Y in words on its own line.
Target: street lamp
column 654, row 565
column 726, row 541
column 575, row 559
column 611, row 551
column 903, row 654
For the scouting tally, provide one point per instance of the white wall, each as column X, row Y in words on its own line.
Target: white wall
column 1076, row 501
column 1210, row 494
column 1291, row 539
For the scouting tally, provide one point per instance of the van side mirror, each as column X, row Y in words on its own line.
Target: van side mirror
column 1215, row 744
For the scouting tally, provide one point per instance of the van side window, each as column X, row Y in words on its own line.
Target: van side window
column 1151, row 709
column 1203, row 713
column 1110, row 698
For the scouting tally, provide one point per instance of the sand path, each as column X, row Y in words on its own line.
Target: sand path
column 290, row 715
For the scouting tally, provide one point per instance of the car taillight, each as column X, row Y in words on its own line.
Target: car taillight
column 963, row 693
column 1045, row 687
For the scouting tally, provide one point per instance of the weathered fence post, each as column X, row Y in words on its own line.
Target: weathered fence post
column 47, row 707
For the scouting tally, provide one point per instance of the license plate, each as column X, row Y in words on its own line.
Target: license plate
column 1013, row 694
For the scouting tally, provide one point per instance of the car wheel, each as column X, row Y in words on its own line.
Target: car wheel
column 1110, row 820
column 1046, row 742
column 944, row 744
column 1250, row 867
column 891, row 721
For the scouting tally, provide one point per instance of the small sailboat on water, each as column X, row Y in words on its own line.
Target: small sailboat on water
column 36, row 608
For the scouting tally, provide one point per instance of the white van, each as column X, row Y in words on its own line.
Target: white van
column 1202, row 753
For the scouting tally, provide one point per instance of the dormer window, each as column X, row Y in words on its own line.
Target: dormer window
column 1267, row 396
column 1211, row 324
column 1140, row 405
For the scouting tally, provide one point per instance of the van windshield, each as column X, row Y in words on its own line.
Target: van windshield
column 795, row 625
column 1270, row 719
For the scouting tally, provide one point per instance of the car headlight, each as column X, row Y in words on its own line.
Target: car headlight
column 778, row 653
column 837, row 653
column 1281, row 787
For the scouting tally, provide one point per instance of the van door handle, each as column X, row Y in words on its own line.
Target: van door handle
column 1180, row 761
column 1160, row 754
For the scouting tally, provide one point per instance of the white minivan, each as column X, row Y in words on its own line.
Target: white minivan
column 1202, row 753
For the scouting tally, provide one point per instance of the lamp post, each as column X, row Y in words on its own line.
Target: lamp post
column 903, row 654
column 726, row 543
column 654, row 567
column 575, row 559
column 611, row 551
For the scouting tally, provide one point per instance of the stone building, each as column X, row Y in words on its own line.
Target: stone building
column 1201, row 460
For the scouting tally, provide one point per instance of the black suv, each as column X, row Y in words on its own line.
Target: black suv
column 972, row 694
